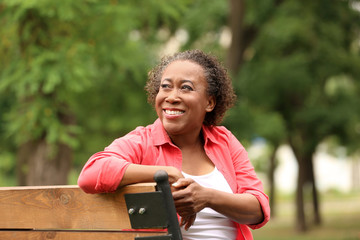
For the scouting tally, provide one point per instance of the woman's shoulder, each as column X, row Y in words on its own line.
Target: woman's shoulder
column 151, row 129
column 142, row 134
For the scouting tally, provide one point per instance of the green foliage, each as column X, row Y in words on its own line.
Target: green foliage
column 7, row 168
column 304, row 69
column 7, row 147
column 43, row 67
column 74, row 71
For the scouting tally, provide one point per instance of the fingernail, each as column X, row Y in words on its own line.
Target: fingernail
column 175, row 184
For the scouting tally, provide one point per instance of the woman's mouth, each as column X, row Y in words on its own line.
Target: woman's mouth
column 173, row 112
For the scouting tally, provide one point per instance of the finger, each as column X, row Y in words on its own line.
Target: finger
column 190, row 221
column 182, row 183
column 179, row 195
column 183, row 221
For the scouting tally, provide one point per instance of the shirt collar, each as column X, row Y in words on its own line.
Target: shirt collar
column 208, row 134
column 161, row 137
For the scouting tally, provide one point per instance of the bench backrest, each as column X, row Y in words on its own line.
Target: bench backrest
column 66, row 212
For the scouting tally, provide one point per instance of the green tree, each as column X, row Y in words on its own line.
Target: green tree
column 72, row 68
column 300, row 49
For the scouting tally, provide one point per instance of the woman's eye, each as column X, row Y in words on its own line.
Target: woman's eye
column 187, row 87
column 165, row 85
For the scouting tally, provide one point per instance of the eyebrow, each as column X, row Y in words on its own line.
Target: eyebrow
column 182, row 81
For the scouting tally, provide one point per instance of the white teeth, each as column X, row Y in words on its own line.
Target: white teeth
column 170, row 112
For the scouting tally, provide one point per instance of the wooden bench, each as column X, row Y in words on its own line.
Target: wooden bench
column 139, row 211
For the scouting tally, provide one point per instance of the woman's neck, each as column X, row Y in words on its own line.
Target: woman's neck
column 193, row 139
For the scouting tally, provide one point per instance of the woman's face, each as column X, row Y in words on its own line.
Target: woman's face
column 182, row 101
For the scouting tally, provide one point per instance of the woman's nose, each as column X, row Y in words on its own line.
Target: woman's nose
column 173, row 96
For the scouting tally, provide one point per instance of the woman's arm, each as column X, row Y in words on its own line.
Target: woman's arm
column 242, row 208
column 107, row 171
column 191, row 198
column 136, row 173
column 247, row 205
column 119, row 164
column 247, row 181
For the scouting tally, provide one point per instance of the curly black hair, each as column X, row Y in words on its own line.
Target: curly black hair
column 219, row 82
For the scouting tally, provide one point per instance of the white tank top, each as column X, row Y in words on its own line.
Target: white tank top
column 210, row 224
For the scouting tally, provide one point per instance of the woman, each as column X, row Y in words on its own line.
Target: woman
column 215, row 189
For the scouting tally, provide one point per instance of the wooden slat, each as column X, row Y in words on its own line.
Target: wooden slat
column 65, row 207
column 66, row 235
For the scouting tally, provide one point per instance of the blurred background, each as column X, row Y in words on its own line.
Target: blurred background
column 72, row 76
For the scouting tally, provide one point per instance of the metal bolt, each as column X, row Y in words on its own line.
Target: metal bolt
column 131, row 211
column 142, row 210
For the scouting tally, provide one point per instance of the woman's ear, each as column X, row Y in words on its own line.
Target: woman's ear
column 211, row 104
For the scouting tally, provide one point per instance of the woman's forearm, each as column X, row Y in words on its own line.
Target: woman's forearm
column 190, row 198
column 136, row 173
column 241, row 208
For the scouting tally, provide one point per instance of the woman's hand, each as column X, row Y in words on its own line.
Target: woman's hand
column 173, row 173
column 189, row 198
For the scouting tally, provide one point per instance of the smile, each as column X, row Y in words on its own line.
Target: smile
column 173, row 112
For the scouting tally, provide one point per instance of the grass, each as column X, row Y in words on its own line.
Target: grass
column 340, row 220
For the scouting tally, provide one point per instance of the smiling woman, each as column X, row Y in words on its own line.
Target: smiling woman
column 215, row 189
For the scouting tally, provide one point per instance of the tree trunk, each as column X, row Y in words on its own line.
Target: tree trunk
column 300, row 211
column 312, row 182
column 306, row 182
column 236, row 20
column 43, row 164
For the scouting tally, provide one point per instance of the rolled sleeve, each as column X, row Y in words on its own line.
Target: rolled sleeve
column 102, row 173
column 104, row 170
column 265, row 207
column 110, row 175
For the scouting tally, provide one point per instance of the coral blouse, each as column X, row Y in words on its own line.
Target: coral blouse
column 151, row 145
